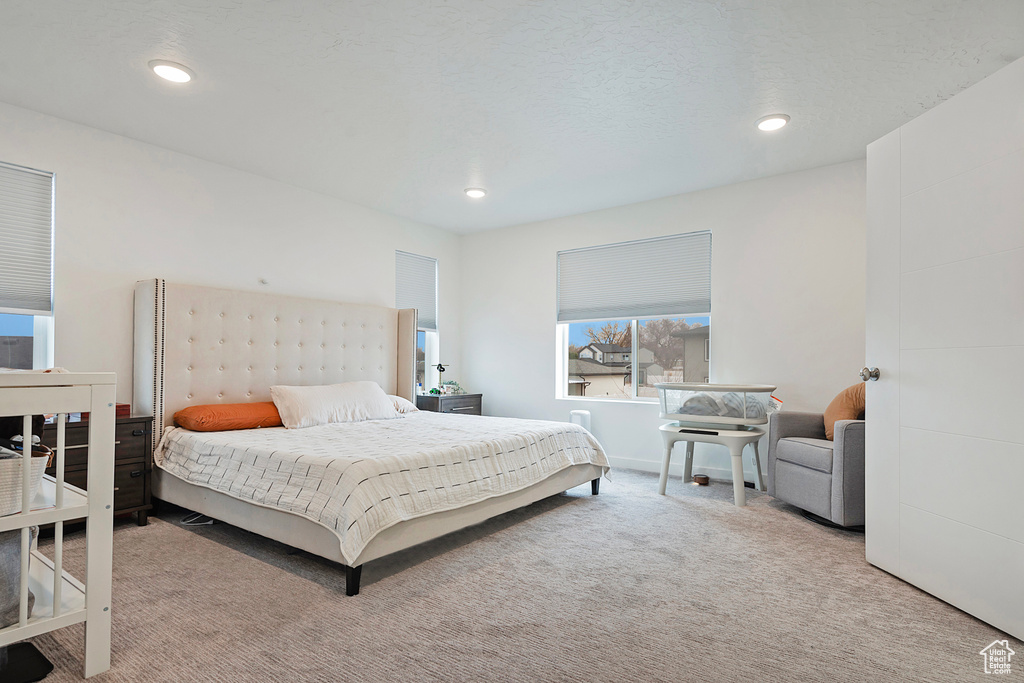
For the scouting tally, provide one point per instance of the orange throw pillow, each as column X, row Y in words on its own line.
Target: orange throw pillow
column 848, row 405
column 225, row 416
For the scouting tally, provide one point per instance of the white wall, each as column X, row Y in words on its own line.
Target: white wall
column 788, row 269
column 127, row 211
column 787, row 300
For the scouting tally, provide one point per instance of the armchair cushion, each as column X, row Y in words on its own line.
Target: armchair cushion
column 813, row 453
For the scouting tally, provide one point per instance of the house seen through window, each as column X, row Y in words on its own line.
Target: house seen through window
column 600, row 362
column 16, row 341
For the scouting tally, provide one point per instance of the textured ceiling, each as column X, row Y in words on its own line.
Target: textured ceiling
column 556, row 106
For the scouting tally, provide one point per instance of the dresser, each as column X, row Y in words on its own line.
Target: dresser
column 464, row 404
column 133, row 461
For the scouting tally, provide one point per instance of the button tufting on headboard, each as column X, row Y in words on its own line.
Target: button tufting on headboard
column 261, row 340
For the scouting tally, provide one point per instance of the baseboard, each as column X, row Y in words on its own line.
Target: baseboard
column 675, row 469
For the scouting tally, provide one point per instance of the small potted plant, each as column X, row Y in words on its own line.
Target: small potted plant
column 450, row 386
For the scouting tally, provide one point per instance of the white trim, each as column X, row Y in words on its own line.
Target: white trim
column 431, row 357
column 676, row 468
column 604, row 399
column 634, row 363
column 42, row 342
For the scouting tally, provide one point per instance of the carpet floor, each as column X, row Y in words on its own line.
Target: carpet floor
column 624, row 586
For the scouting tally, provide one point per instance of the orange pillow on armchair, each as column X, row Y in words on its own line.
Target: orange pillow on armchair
column 848, row 405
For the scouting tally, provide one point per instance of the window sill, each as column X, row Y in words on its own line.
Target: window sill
column 598, row 399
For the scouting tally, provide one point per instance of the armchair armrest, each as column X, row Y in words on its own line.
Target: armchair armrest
column 849, row 433
column 848, row 473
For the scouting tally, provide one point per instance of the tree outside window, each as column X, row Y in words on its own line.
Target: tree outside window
column 600, row 361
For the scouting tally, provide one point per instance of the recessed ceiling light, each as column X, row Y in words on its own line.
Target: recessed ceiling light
column 772, row 122
column 475, row 192
column 171, row 71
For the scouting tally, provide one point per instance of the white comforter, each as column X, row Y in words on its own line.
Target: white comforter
column 358, row 479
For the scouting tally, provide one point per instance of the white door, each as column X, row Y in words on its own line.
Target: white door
column 945, row 328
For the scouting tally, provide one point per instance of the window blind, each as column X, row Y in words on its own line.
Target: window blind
column 26, row 241
column 647, row 278
column 416, row 287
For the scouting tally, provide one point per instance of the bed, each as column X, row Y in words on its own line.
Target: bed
column 200, row 345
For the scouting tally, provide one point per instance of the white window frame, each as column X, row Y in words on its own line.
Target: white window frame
column 42, row 342
column 432, row 356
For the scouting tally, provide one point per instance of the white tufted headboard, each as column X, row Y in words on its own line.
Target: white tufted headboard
column 198, row 345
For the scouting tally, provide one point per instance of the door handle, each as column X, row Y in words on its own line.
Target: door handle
column 135, row 473
column 870, row 374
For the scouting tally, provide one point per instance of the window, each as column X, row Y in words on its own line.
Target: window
column 26, row 267
column 672, row 350
column 594, row 359
column 421, row 357
column 416, row 287
column 634, row 314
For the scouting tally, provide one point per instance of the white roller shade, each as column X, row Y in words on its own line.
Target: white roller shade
column 26, row 241
column 647, row 278
column 416, row 287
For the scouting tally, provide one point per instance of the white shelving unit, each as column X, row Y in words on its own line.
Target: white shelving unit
column 60, row 599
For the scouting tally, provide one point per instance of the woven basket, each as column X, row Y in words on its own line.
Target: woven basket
column 10, row 482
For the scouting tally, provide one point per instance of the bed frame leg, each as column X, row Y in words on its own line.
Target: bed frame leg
column 352, row 576
column 595, row 486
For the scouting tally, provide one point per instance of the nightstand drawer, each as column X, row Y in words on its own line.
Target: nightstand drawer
column 129, row 486
column 462, row 404
column 132, row 460
column 131, row 442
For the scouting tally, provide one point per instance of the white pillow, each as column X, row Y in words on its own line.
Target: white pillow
column 317, row 405
column 403, row 405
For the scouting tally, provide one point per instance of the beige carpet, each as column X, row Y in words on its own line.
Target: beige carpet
column 625, row 586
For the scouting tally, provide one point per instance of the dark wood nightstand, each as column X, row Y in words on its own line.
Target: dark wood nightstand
column 465, row 404
column 133, row 461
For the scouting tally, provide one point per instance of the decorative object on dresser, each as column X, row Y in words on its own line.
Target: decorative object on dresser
column 133, row 461
column 460, row 404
